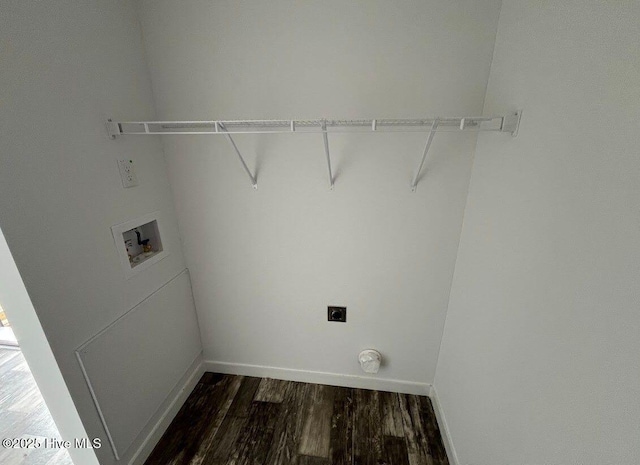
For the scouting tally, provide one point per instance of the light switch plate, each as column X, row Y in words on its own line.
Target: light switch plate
column 127, row 173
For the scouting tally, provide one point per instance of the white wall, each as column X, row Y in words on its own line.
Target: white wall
column 539, row 361
column 66, row 67
column 265, row 264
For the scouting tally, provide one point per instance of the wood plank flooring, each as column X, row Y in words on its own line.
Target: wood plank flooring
column 239, row 420
column 23, row 414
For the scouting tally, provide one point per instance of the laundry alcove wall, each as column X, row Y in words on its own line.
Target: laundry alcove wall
column 265, row 264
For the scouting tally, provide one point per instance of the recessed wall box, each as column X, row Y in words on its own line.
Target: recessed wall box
column 139, row 243
column 337, row 314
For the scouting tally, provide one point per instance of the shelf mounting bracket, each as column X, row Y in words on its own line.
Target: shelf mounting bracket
column 427, row 146
column 326, row 151
column 254, row 181
column 511, row 123
column 113, row 129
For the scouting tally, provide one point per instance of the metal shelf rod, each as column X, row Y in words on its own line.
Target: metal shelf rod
column 434, row 126
column 254, row 181
column 326, row 151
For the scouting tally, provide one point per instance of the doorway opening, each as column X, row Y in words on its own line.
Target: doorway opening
column 23, row 412
column 7, row 338
column 32, row 389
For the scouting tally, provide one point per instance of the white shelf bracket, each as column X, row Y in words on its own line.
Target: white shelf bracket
column 511, row 123
column 432, row 133
column 254, row 181
column 326, row 151
column 113, row 129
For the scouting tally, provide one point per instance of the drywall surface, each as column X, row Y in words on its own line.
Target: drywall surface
column 266, row 264
column 66, row 67
column 109, row 354
column 539, row 361
column 34, row 346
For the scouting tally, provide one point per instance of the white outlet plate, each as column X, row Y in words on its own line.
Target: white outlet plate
column 127, row 173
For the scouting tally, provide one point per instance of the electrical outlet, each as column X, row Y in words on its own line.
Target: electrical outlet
column 127, row 173
column 337, row 314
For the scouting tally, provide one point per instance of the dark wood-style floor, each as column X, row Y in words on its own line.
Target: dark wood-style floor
column 23, row 414
column 242, row 420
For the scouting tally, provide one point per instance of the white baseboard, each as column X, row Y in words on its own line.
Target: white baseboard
column 318, row 377
column 444, row 428
column 159, row 426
